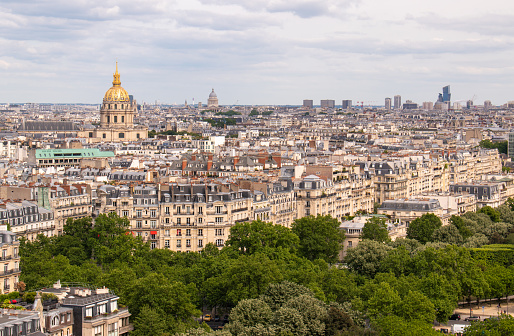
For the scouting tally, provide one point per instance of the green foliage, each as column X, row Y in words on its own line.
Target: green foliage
column 229, row 113
column 366, row 258
column 375, row 228
column 493, row 214
column 320, row 237
column 422, row 228
column 221, row 123
column 502, row 146
column 501, row 326
column 259, row 236
column 448, row 234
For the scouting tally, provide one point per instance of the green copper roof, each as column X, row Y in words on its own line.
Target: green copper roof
column 72, row 153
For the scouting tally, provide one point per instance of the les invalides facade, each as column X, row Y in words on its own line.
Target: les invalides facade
column 116, row 117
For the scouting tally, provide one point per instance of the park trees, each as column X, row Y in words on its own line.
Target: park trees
column 259, row 236
column 320, row 237
column 375, row 228
column 366, row 258
column 422, row 228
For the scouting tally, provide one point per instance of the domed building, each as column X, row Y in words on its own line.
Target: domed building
column 213, row 100
column 117, row 117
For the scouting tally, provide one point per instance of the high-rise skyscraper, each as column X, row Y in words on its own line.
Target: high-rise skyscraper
column 347, row 104
column 308, row 103
column 328, row 103
column 388, row 103
column 447, row 96
column 397, row 102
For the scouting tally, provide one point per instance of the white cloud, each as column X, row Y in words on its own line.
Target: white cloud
column 260, row 51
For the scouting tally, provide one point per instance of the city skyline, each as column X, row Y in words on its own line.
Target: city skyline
column 259, row 52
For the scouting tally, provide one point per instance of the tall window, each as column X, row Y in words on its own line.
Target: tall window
column 113, row 329
column 200, row 232
column 115, row 119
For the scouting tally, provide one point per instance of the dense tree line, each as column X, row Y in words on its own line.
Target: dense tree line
column 279, row 281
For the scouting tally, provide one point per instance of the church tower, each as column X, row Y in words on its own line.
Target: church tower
column 117, row 117
column 118, row 109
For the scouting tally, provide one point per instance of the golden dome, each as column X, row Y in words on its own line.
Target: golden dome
column 116, row 93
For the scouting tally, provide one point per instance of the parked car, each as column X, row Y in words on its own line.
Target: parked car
column 207, row 317
column 455, row 317
column 216, row 318
column 472, row 318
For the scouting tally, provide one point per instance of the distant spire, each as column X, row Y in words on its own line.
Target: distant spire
column 116, row 81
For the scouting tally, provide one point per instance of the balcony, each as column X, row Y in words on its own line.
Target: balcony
column 11, row 271
column 126, row 329
column 122, row 312
column 239, row 210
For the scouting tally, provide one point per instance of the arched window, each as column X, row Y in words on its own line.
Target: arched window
column 55, row 320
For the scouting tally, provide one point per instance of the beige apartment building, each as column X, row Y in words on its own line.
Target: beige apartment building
column 186, row 217
column 315, row 196
column 407, row 210
column 10, row 260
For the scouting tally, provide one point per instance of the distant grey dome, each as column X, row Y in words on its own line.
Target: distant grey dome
column 213, row 94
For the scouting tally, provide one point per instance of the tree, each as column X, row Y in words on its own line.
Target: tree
column 501, row 326
column 250, row 314
column 375, row 228
column 416, row 306
column 459, row 223
column 448, row 234
column 277, row 294
column 167, row 298
column 476, row 240
column 366, row 258
column 492, row 213
column 320, row 237
column 510, row 203
column 259, row 236
column 394, row 326
column 422, row 228
column 247, row 277
column 384, row 301
column 150, row 322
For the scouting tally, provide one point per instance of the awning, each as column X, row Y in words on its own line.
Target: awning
column 153, row 232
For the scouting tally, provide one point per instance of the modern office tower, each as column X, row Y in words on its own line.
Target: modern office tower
column 388, row 103
column 328, row 103
column 428, row 106
column 487, row 105
column 347, row 104
column 397, row 102
column 469, row 104
column 510, row 148
column 308, row 103
column 409, row 105
column 447, row 96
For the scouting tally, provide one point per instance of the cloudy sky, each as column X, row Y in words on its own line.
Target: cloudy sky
column 256, row 51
